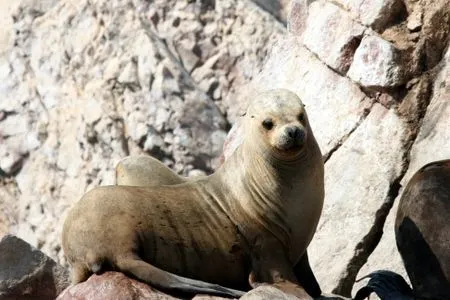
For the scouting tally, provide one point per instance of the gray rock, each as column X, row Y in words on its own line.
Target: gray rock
column 267, row 292
column 361, row 169
column 430, row 145
column 334, row 103
column 332, row 35
column 377, row 64
column 26, row 272
column 432, row 141
column 10, row 162
column 188, row 57
column 278, row 8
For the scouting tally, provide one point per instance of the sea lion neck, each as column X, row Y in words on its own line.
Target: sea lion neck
column 254, row 188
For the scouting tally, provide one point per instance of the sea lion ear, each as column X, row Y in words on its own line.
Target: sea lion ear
column 244, row 114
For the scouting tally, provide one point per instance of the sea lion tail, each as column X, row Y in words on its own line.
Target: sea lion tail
column 167, row 281
column 387, row 285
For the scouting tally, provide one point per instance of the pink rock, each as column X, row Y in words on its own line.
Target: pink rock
column 296, row 22
column 377, row 14
column 377, row 64
column 112, row 286
column 332, row 35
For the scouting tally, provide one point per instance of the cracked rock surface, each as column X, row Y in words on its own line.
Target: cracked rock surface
column 85, row 83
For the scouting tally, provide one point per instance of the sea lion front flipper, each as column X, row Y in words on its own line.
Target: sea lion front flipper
column 271, row 266
column 306, row 278
column 167, row 281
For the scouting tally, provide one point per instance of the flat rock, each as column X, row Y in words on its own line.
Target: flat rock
column 362, row 169
column 267, row 292
column 332, row 35
column 114, row 286
column 26, row 272
column 377, row 64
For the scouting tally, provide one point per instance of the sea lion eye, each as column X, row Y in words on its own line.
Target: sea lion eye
column 301, row 117
column 267, row 124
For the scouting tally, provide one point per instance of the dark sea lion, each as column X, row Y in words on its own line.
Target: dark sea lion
column 422, row 232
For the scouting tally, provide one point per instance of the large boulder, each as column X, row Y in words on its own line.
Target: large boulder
column 27, row 273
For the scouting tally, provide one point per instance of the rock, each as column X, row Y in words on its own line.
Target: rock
column 377, row 14
column 385, row 256
column 10, row 162
column 189, row 58
column 298, row 15
column 377, row 64
column 434, row 34
column 335, row 104
column 362, row 169
column 431, row 143
column 84, row 84
column 8, row 203
column 332, row 35
column 129, row 74
column 13, row 125
column 267, row 292
column 278, row 8
column 327, row 296
column 114, row 286
column 206, row 297
column 414, row 22
column 28, row 273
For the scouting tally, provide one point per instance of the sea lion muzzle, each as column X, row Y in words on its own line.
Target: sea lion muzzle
column 293, row 137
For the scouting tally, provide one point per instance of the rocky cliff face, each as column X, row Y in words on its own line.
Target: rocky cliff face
column 85, row 83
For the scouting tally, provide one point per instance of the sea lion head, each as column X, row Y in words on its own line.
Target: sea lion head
column 277, row 124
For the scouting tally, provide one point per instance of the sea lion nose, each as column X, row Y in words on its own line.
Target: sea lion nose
column 295, row 133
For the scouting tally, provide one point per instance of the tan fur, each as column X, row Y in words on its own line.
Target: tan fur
column 144, row 170
column 250, row 221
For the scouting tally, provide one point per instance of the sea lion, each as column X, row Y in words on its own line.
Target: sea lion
column 251, row 220
column 422, row 233
column 422, row 230
column 145, row 170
